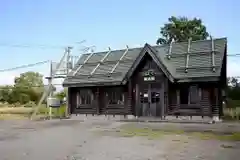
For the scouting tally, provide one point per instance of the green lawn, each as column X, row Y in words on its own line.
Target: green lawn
column 25, row 112
column 130, row 131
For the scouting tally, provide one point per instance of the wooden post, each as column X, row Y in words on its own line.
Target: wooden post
column 222, row 101
column 166, row 92
column 68, row 103
column 97, row 101
column 129, row 106
column 200, row 99
column 162, row 92
column 178, row 98
column 216, row 106
column 137, row 99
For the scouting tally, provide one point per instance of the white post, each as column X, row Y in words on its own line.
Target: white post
column 50, row 92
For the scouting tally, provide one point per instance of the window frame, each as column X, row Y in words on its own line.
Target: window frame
column 115, row 97
column 190, row 94
column 84, row 97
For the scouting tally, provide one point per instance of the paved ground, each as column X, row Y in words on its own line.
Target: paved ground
column 77, row 140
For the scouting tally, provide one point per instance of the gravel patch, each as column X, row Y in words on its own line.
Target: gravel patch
column 77, row 140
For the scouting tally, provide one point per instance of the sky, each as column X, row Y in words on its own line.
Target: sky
column 106, row 23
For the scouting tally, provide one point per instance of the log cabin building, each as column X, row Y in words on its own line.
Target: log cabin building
column 180, row 79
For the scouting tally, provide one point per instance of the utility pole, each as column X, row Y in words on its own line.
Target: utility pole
column 46, row 93
column 51, row 90
column 67, row 109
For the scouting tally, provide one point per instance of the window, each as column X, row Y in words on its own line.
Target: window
column 172, row 97
column 115, row 97
column 184, row 95
column 84, row 97
column 189, row 95
column 193, row 95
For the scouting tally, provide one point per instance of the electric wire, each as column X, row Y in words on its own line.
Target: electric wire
column 233, row 55
column 24, row 66
column 40, row 46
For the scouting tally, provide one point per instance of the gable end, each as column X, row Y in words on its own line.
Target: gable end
column 147, row 49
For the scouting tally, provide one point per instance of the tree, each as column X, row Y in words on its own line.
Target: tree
column 28, row 86
column 180, row 29
column 233, row 89
column 29, row 79
column 5, row 93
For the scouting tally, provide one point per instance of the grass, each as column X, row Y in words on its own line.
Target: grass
column 155, row 134
column 15, row 110
column 24, row 112
column 141, row 132
column 12, row 117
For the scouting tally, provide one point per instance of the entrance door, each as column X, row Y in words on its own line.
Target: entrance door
column 150, row 101
column 155, row 102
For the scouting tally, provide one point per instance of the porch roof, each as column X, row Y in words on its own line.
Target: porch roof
column 184, row 61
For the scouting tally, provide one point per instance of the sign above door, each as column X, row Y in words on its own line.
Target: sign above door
column 149, row 75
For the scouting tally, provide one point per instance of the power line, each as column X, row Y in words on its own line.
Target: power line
column 24, row 66
column 233, row 55
column 40, row 46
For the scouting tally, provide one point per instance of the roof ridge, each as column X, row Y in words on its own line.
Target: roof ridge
column 164, row 45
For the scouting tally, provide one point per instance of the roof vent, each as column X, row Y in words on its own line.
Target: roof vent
column 213, row 54
column 187, row 55
column 170, row 50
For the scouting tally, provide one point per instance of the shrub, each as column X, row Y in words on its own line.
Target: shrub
column 231, row 113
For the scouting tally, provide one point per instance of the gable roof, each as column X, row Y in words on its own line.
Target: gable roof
column 148, row 49
column 184, row 61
